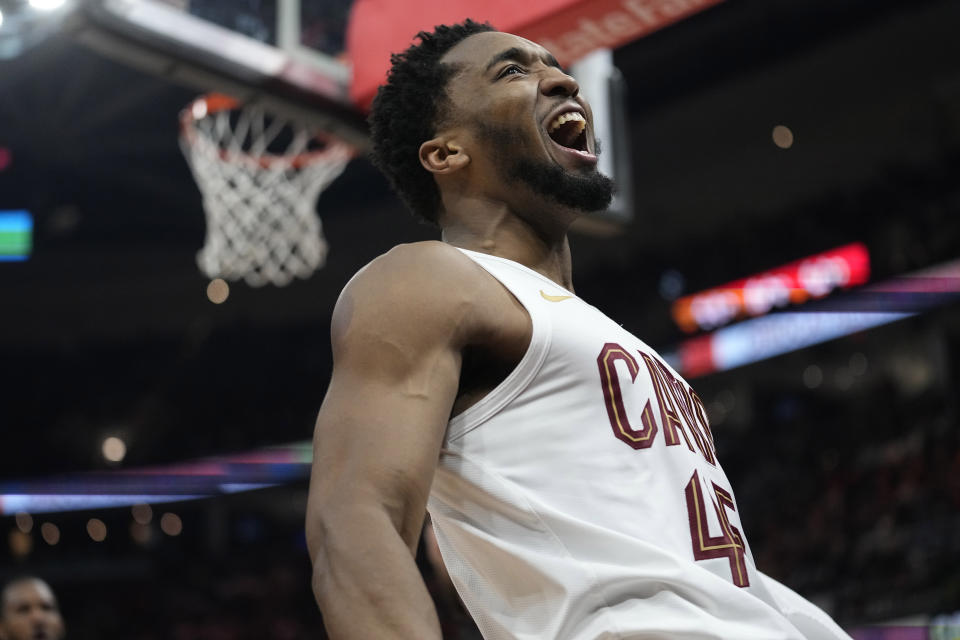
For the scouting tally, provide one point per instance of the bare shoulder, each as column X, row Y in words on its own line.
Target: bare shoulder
column 424, row 291
column 419, row 264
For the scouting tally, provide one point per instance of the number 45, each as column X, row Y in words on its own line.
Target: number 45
column 705, row 546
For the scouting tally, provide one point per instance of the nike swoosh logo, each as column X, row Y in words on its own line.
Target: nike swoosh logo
column 547, row 296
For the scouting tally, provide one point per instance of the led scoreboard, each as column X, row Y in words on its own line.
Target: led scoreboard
column 794, row 283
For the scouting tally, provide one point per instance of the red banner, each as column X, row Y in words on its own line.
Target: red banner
column 568, row 28
column 582, row 27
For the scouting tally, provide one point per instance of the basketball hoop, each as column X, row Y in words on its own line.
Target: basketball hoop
column 260, row 176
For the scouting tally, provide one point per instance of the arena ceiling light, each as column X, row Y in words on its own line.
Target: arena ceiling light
column 25, row 25
column 47, row 5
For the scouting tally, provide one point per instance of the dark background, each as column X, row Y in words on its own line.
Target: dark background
column 849, row 490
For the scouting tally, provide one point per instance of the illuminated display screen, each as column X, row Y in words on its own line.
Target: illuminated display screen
column 794, row 283
column 761, row 338
column 16, row 235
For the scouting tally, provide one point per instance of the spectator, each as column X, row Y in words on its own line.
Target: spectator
column 29, row 611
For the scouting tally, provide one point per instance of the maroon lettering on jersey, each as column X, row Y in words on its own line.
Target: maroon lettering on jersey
column 681, row 396
column 669, row 416
column 705, row 546
column 644, row 437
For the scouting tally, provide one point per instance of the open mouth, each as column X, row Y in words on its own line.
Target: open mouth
column 569, row 130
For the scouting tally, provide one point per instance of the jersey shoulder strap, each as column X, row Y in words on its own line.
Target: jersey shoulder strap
column 524, row 284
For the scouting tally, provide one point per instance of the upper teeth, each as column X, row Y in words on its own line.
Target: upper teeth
column 567, row 117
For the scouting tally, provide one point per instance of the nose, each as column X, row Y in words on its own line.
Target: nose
column 39, row 616
column 558, row 83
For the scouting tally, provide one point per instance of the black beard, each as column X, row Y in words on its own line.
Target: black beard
column 586, row 192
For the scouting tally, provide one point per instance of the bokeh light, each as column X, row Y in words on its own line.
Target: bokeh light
column 50, row 533
column 24, row 522
column 141, row 533
column 812, row 376
column 171, row 524
column 20, row 543
column 218, row 291
column 114, row 449
column 97, row 529
column 142, row 513
column 782, row 136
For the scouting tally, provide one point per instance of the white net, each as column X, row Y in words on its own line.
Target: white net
column 260, row 176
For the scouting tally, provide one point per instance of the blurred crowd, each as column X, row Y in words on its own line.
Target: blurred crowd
column 858, row 509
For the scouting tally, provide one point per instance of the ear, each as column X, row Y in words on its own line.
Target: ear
column 442, row 156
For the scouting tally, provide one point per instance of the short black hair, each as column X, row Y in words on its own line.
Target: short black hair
column 407, row 110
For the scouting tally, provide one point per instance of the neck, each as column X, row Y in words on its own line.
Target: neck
column 490, row 227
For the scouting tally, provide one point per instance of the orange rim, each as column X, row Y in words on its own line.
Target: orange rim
column 211, row 103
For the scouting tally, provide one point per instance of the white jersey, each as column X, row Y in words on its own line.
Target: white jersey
column 582, row 497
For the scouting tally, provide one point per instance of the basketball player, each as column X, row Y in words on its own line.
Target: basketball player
column 570, row 473
column 29, row 611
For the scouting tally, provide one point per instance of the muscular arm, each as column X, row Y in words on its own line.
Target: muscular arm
column 397, row 334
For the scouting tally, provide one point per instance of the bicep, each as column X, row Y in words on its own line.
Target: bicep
column 379, row 431
column 383, row 437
